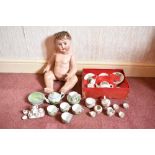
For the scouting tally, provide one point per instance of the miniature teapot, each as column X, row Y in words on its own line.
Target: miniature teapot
column 55, row 97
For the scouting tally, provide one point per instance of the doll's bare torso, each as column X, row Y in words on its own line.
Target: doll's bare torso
column 62, row 65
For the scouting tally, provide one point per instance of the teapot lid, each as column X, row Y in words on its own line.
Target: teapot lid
column 54, row 95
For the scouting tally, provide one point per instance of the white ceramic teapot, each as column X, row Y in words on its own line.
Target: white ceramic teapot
column 55, row 97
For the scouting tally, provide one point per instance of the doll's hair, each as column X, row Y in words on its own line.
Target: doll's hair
column 61, row 35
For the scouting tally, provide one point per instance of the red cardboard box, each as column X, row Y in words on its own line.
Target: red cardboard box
column 119, row 92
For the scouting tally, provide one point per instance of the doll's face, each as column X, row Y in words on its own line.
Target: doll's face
column 63, row 45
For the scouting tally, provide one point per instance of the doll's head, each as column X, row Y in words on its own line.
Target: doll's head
column 62, row 41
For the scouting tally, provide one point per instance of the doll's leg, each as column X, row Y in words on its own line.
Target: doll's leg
column 69, row 84
column 49, row 79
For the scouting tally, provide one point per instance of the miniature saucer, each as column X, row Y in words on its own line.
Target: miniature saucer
column 120, row 75
column 89, row 75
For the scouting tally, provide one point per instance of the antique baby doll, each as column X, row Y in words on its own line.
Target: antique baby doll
column 61, row 65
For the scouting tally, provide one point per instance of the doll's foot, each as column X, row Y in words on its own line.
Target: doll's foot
column 48, row 90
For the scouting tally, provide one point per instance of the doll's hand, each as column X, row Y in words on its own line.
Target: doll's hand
column 46, row 69
column 68, row 76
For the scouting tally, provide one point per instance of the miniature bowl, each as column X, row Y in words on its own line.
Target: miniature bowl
column 36, row 98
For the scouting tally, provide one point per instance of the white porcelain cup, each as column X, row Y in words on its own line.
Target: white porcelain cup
column 115, row 107
column 77, row 109
column 52, row 110
column 110, row 111
column 66, row 117
column 64, row 106
column 90, row 102
column 121, row 114
column 125, row 105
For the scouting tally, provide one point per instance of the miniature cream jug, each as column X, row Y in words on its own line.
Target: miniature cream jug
column 73, row 97
column 55, row 97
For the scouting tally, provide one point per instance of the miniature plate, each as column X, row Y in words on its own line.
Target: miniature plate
column 36, row 98
column 119, row 74
column 89, row 75
column 103, row 74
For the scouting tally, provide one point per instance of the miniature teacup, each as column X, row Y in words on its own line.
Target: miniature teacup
column 121, row 114
column 110, row 111
column 90, row 102
column 77, row 109
column 105, row 102
column 66, row 117
column 115, row 106
column 98, row 109
column 73, row 97
column 52, row 110
column 125, row 105
column 64, row 106
column 55, row 97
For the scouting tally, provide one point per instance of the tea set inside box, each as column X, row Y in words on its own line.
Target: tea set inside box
column 98, row 83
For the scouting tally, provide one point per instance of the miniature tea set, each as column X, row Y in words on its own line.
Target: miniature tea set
column 72, row 106
column 104, row 80
column 54, row 99
column 106, row 106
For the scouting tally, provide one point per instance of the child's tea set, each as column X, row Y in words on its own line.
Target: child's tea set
column 72, row 106
column 54, row 99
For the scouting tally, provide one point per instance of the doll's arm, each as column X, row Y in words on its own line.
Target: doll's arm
column 50, row 63
column 73, row 68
